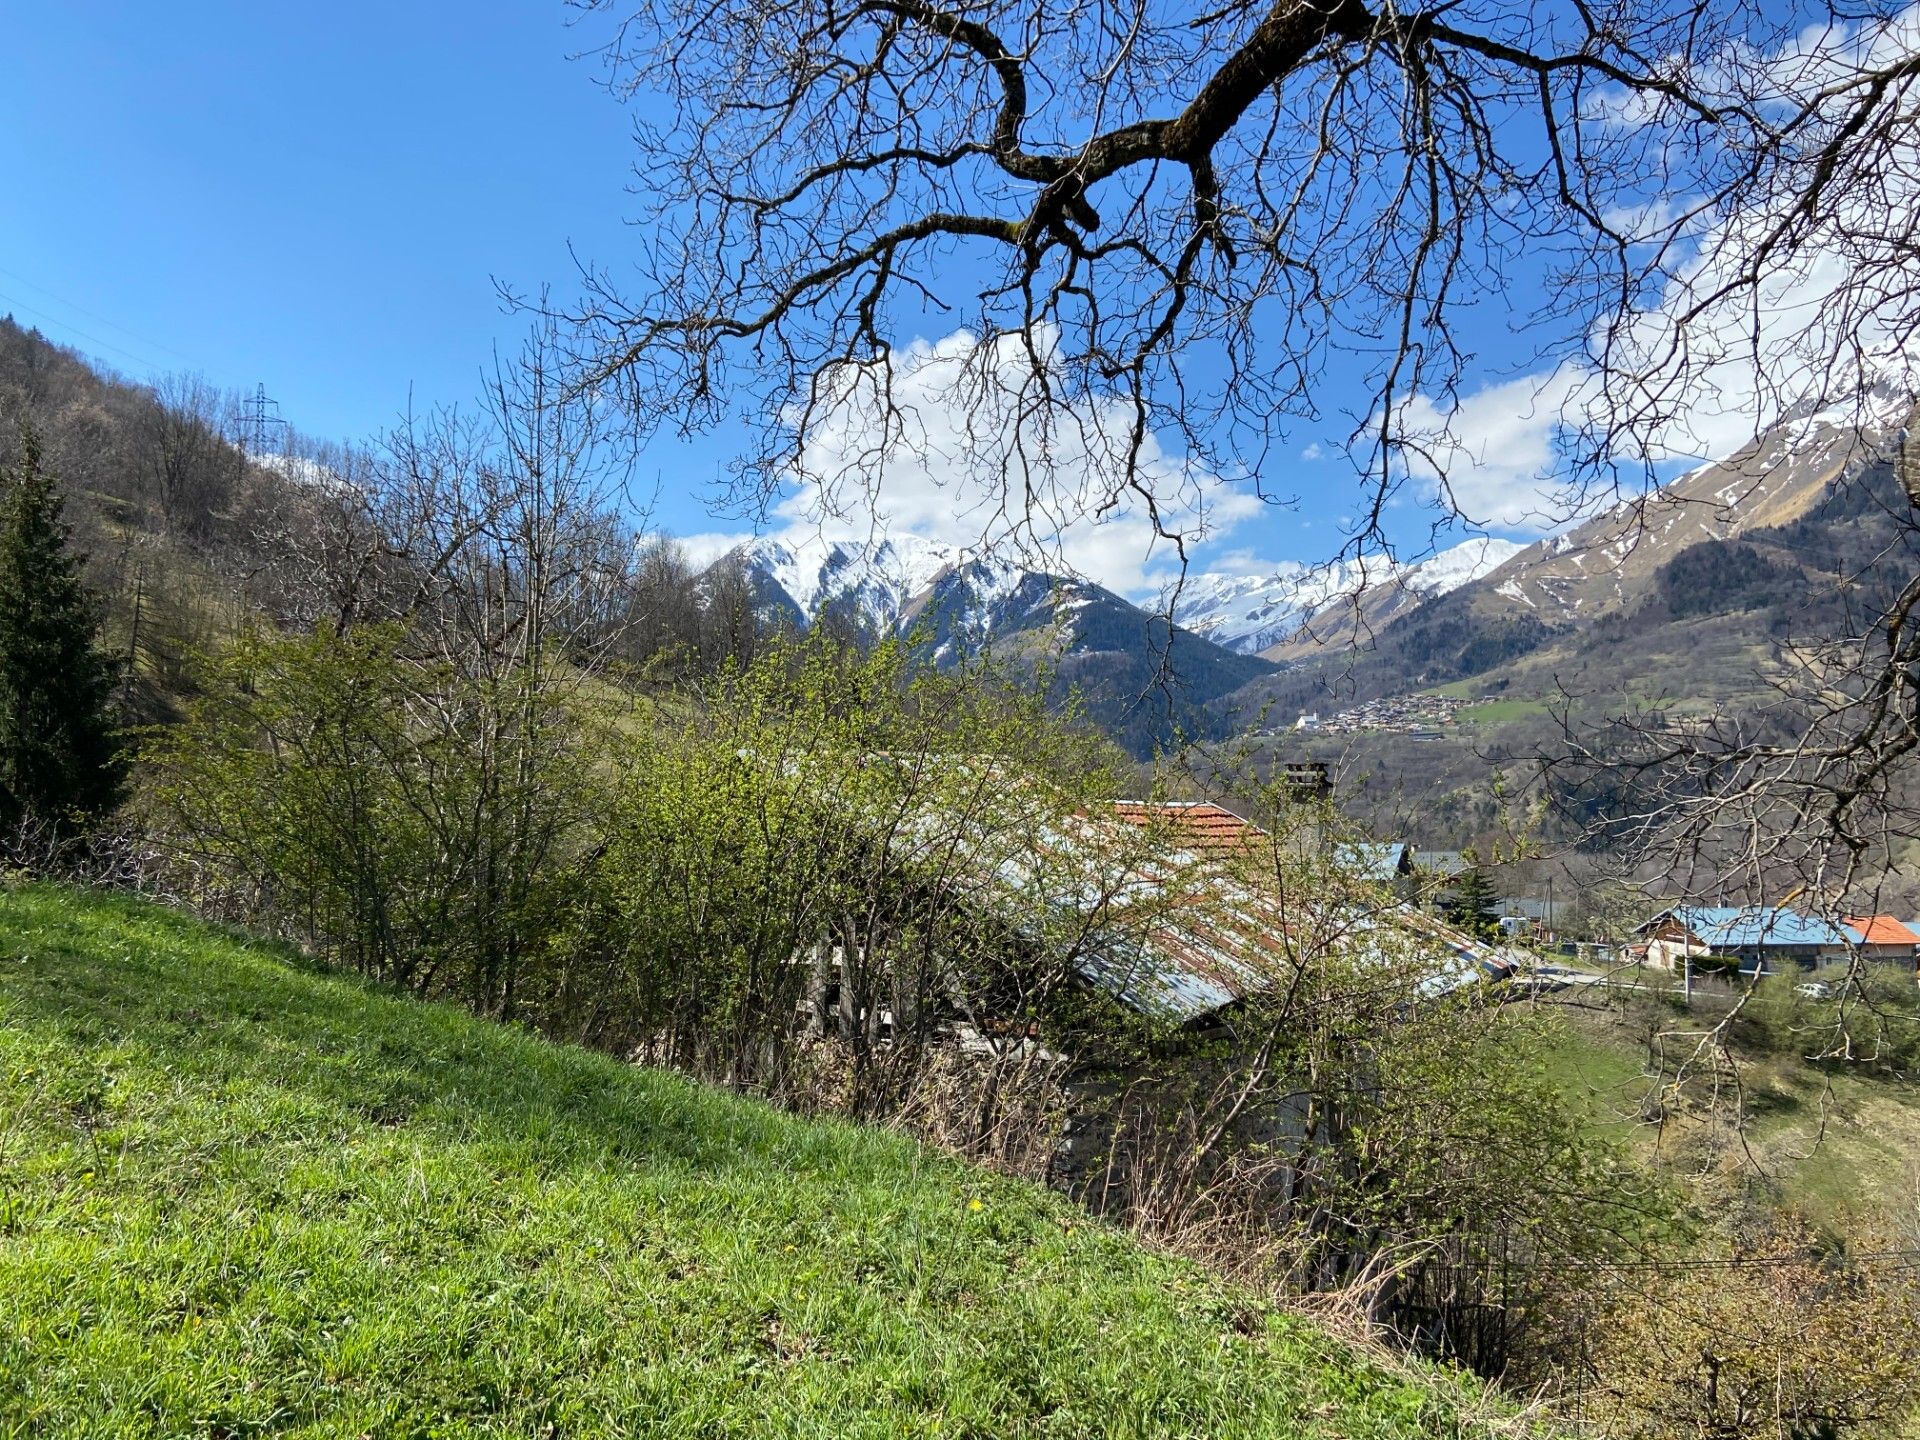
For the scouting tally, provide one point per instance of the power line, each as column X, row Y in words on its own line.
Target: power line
column 142, row 360
column 93, row 315
column 256, row 421
column 260, row 412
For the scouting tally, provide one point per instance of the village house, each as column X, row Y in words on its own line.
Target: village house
column 1190, row 930
column 1767, row 939
column 1387, row 862
column 1883, row 938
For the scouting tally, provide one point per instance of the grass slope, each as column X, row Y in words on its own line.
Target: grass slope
column 1830, row 1141
column 238, row 1198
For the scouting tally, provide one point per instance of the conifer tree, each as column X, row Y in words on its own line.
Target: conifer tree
column 61, row 764
column 1474, row 904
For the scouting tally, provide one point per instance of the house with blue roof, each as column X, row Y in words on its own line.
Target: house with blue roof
column 1765, row 938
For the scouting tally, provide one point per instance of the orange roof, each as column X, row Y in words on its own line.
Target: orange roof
column 1204, row 828
column 1881, row 930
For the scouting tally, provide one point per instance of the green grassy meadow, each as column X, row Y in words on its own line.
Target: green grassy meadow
column 1830, row 1141
column 238, row 1197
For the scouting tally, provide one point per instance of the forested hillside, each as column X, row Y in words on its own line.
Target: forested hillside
column 192, row 537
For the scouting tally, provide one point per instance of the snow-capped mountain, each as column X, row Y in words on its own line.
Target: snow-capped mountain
column 870, row 583
column 1461, row 565
column 1686, row 592
column 890, row 584
column 883, row 585
column 1604, row 564
column 1252, row 613
column 1080, row 636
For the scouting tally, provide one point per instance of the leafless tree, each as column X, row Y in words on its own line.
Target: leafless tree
column 190, row 469
column 666, row 615
column 1182, row 216
column 1159, row 225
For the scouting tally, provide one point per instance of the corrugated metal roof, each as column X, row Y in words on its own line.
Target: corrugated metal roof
column 1224, row 941
column 1753, row 926
column 1198, row 825
column 1187, row 936
column 1375, row 860
column 1441, row 862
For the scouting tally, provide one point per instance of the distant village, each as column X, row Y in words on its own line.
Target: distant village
column 1421, row 716
column 1731, row 940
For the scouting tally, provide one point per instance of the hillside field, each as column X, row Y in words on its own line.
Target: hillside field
column 238, row 1197
column 1830, row 1140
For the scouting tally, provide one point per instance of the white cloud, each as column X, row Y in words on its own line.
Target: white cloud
column 1244, row 562
column 1312, row 452
column 1652, row 221
column 703, row 549
column 1493, row 457
column 964, row 443
column 1712, row 362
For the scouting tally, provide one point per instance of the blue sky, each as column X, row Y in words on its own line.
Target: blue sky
column 321, row 199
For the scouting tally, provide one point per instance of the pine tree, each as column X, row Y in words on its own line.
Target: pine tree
column 1473, row 905
column 61, row 764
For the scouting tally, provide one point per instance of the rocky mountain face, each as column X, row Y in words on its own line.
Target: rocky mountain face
column 1608, row 563
column 1254, row 614
column 1350, row 617
column 1678, row 597
column 1691, row 601
column 865, row 584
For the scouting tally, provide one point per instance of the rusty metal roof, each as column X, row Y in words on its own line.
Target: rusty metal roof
column 1197, row 825
column 1222, row 940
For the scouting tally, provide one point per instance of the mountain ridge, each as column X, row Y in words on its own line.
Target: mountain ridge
column 1147, row 682
column 1690, row 602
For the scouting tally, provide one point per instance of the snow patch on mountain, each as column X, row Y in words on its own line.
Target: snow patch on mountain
column 882, row 585
column 1461, row 565
column 1249, row 613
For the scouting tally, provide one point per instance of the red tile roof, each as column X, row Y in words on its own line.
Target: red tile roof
column 1881, row 930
